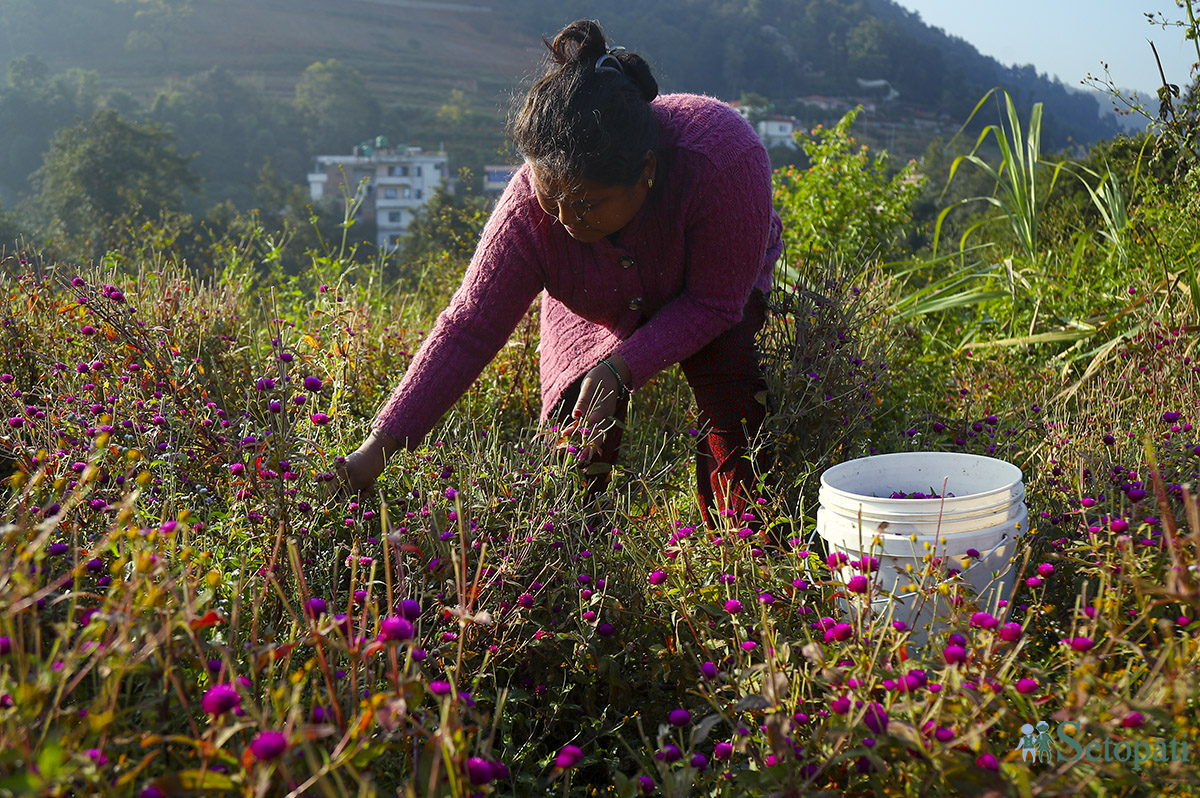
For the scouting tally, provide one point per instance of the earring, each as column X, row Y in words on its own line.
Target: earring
column 649, row 182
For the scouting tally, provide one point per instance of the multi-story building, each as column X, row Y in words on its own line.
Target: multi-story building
column 496, row 178
column 386, row 184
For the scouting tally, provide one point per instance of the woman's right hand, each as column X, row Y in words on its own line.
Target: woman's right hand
column 364, row 465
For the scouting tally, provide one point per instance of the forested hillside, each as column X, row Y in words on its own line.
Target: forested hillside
column 248, row 91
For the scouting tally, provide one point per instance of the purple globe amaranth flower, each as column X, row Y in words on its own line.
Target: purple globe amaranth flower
column 1010, row 632
column 876, row 718
column 840, row 632
column 722, row 751
column 658, row 577
column 733, row 606
column 679, row 717
column 857, row 584
column 699, row 762
column 150, row 791
column 313, row 384
column 985, row 620
column 1045, row 569
column 5, row 645
column 1118, row 525
column 479, row 771
column 840, row 705
column 1026, row 686
column 320, row 419
column 393, row 627
column 410, row 609
column 1133, row 720
column 988, row 762
column 836, row 559
column 1080, row 643
column 669, row 753
column 268, row 745
column 568, row 757
column 954, row 655
column 708, row 670
column 315, row 607
column 440, row 687
column 646, row 785
column 219, row 699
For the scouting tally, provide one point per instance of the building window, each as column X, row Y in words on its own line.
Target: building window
column 418, row 171
column 390, row 193
column 407, row 193
column 397, row 171
column 394, row 217
column 420, row 194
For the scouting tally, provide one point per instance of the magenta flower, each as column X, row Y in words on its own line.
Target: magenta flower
column 1034, row 581
column 393, row 627
column 268, row 745
column 679, row 717
column 733, row 606
column 722, row 751
column 836, row 559
column 708, row 669
column 988, row 762
column 219, row 699
column 1010, row 632
column 313, row 384
column 985, row 620
column 876, row 718
column 1026, row 686
column 320, row 419
column 658, row 577
column 954, row 655
column 315, row 607
column 857, row 584
column 1045, row 569
column 669, row 753
column 699, row 762
column 1080, row 643
column 440, row 688
column 568, row 757
column 840, row 705
column 479, row 771
column 1118, row 525
column 1133, row 720
column 410, row 609
column 6, row 645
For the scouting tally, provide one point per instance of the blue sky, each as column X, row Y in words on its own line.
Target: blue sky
column 1069, row 38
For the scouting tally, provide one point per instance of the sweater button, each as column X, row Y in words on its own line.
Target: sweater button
column 625, row 261
column 635, row 304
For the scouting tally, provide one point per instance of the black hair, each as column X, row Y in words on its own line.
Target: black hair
column 588, row 117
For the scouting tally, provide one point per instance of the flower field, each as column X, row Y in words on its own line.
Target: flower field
column 189, row 603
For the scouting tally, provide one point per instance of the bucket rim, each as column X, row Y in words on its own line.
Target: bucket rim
column 917, row 505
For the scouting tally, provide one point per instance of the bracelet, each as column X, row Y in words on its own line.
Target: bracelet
column 624, row 394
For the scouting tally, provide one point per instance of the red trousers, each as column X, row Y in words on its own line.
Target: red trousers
column 727, row 382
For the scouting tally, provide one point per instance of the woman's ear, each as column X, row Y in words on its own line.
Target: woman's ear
column 649, row 165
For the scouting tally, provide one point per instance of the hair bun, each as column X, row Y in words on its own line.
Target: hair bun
column 639, row 74
column 580, row 42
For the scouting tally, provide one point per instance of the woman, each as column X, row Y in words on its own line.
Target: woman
column 647, row 221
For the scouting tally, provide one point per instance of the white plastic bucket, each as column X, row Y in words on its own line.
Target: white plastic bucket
column 981, row 507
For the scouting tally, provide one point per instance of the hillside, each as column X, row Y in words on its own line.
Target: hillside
column 412, row 53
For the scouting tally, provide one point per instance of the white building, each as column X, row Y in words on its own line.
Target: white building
column 388, row 184
column 778, row 131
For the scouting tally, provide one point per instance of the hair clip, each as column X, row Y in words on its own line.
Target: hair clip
column 603, row 62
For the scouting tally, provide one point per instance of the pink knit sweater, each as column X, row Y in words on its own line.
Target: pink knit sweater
column 676, row 277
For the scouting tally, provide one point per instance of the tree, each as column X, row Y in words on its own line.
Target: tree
column 162, row 22
column 337, row 109
column 104, row 171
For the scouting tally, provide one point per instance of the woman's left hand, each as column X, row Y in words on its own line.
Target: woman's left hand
column 598, row 396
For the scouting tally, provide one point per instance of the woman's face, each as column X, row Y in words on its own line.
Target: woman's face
column 589, row 210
